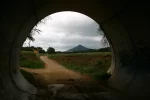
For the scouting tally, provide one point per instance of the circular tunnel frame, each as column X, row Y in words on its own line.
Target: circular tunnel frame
column 16, row 75
column 123, row 21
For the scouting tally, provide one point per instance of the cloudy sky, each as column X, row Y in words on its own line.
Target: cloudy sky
column 65, row 30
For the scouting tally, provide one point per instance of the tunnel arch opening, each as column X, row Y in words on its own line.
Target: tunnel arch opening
column 20, row 76
column 97, row 31
column 123, row 22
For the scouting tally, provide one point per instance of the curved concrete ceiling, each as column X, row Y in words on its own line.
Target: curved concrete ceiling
column 125, row 23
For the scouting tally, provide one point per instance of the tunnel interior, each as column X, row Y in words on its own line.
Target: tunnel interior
column 125, row 23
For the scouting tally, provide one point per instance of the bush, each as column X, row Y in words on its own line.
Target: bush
column 27, row 49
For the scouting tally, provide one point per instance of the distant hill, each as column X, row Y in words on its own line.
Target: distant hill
column 78, row 48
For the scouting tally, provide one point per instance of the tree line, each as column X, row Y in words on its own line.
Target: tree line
column 50, row 50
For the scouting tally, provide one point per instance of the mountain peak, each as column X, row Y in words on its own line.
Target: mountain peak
column 78, row 48
column 80, row 45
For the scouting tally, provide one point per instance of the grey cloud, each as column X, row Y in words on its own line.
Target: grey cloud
column 73, row 23
column 66, row 30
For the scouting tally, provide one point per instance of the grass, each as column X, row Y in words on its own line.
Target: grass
column 28, row 76
column 30, row 60
column 95, row 64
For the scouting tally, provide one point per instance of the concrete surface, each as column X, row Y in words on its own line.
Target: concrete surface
column 125, row 23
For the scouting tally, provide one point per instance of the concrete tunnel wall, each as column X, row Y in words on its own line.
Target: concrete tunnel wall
column 125, row 23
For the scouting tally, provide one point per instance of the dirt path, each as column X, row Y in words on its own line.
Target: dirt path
column 56, row 73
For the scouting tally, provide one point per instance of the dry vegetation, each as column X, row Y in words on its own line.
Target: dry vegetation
column 95, row 64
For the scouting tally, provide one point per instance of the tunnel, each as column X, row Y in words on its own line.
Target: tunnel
column 126, row 25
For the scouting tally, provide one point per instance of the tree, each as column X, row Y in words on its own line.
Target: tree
column 36, row 30
column 50, row 50
column 33, row 32
column 40, row 50
column 104, row 39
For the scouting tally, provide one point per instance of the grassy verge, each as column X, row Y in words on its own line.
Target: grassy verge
column 94, row 64
column 30, row 60
column 28, row 76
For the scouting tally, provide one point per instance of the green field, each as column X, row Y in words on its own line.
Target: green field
column 30, row 60
column 95, row 64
